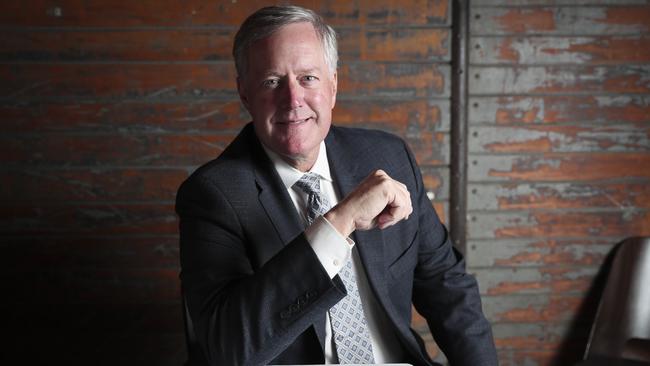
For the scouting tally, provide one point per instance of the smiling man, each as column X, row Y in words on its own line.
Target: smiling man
column 308, row 243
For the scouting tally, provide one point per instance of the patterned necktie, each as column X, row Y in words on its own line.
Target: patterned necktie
column 349, row 327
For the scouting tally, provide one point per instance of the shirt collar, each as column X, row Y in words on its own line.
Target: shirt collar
column 290, row 175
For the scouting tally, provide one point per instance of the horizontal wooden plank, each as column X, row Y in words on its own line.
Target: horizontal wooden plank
column 560, row 109
column 90, row 185
column 172, row 44
column 536, row 357
column 592, row 20
column 530, row 308
column 603, row 50
column 94, row 286
column 409, row 118
column 583, row 80
column 116, row 45
column 403, row 44
column 526, row 336
column 554, row 167
column 88, row 219
column 117, row 80
column 510, row 3
column 555, row 280
column 111, row 150
column 528, row 196
column 68, row 253
column 394, row 80
column 97, row 13
column 537, row 252
column 154, row 150
column 554, row 224
column 153, row 81
column 564, row 138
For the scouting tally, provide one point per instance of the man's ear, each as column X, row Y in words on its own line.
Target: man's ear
column 241, row 89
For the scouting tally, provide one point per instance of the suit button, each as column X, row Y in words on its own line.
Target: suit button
column 285, row 314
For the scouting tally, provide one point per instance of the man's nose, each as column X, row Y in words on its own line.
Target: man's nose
column 293, row 94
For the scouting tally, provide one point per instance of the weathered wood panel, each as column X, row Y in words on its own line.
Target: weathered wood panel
column 559, row 79
column 554, row 167
column 531, row 308
column 402, row 81
column 109, row 252
column 196, row 81
column 572, row 195
column 95, row 80
column 169, row 13
column 566, row 50
column 560, row 109
column 560, row 224
column 192, row 45
column 564, row 138
column 558, row 144
column 501, row 252
column 511, row 3
column 405, row 118
column 545, row 280
column 578, row 20
column 87, row 219
column 144, row 150
column 90, row 185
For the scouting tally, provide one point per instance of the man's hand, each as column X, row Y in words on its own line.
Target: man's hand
column 379, row 201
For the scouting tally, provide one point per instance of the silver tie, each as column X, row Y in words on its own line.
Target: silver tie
column 349, row 327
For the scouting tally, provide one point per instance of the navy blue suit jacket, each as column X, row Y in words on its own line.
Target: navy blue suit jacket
column 255, row 290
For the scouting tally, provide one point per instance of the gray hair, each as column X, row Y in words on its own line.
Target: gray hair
column 266, row 21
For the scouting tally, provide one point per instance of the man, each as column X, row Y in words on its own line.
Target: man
column 283, row 267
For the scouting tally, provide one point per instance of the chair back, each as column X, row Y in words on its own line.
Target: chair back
column 621, row 329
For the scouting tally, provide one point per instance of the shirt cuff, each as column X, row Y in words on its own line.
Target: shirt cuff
column 332, row 249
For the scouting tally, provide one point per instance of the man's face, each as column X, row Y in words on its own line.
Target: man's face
column 290, row 91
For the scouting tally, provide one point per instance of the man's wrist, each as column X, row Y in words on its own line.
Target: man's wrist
column 340, row 221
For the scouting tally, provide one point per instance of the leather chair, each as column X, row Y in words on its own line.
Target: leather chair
column 621, row 329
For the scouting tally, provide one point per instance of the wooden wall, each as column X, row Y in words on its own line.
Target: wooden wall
column 559, row 162
column 108, row 105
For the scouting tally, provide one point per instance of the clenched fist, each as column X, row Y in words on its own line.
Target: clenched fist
column 379, row 201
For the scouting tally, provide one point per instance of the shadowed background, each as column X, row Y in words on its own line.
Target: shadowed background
column 106, row 106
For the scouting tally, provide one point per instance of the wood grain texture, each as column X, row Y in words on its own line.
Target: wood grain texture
column 169, row 13
column 594, row 50
column 611, row 20
column 201, row 45
column 518, row 109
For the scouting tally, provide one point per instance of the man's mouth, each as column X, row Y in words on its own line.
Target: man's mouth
column 294, row 121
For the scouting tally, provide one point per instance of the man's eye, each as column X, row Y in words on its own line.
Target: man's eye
column 309, row 78
column 271, row 83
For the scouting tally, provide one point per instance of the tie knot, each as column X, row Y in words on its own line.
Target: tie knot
column 309, row 183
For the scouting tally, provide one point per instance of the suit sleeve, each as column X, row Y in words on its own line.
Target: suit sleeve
column 444, row 293
column 242, row 315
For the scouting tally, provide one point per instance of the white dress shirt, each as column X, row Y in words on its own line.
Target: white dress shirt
column 333, row 251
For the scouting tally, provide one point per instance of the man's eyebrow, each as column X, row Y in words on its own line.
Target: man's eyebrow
column 311, row 70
